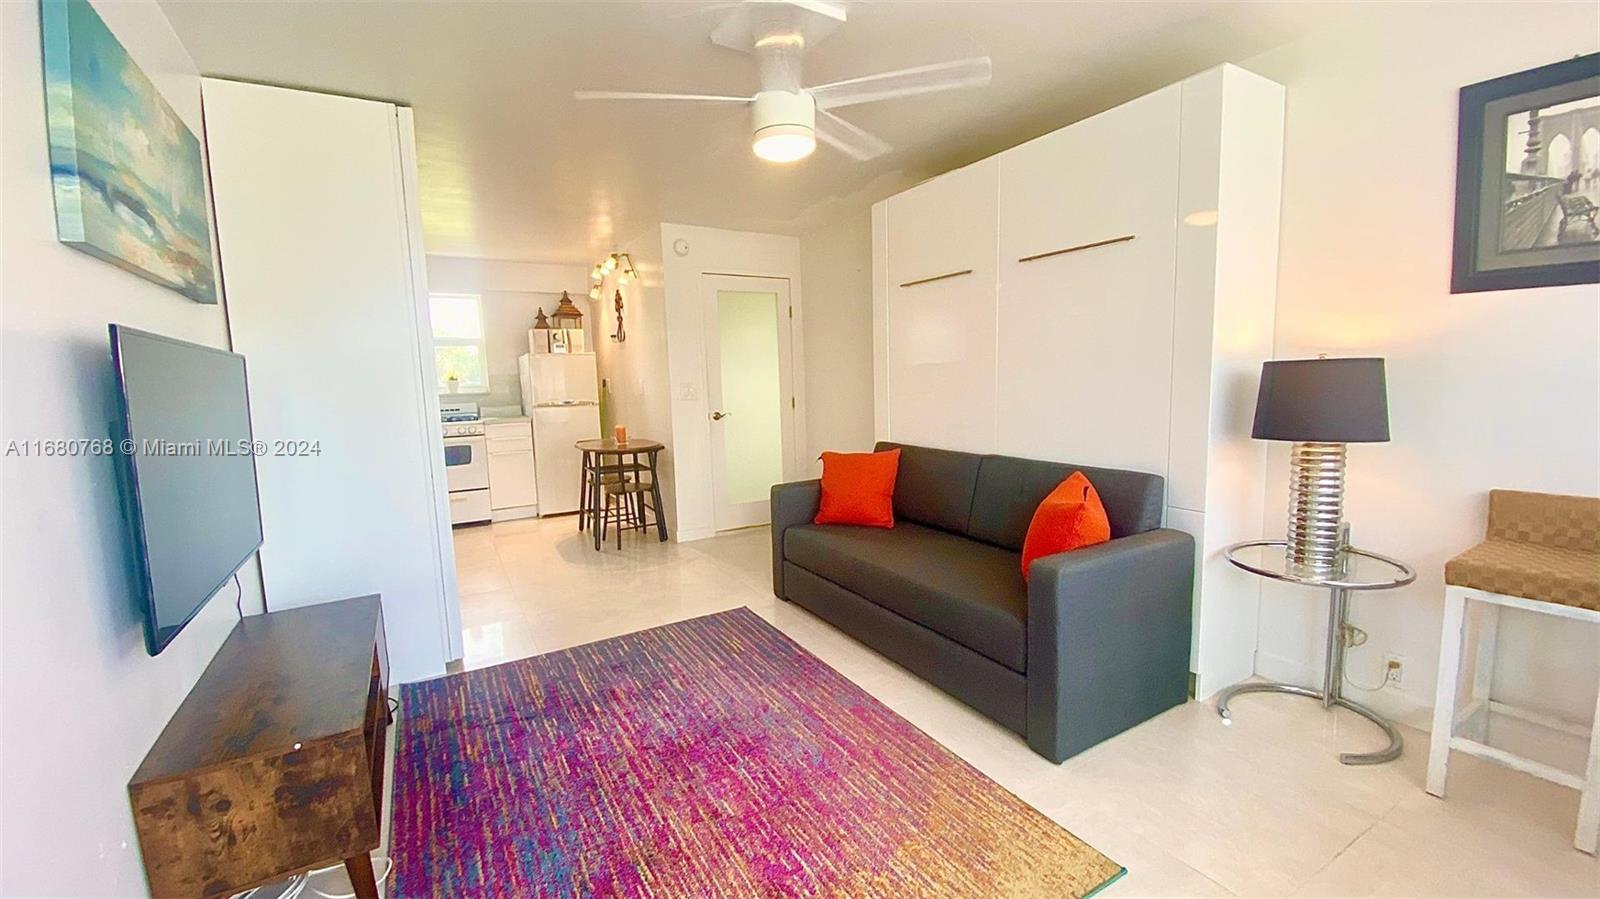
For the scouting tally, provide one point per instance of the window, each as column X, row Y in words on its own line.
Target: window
column 458, row 345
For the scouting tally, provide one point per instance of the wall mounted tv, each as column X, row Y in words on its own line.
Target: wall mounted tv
column 189, row 473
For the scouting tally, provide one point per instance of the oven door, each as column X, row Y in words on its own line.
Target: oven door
column 466, row 463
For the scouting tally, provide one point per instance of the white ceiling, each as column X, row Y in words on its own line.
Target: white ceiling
column 512, row 167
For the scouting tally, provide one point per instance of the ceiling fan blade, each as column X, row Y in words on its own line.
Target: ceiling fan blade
column 644, row 95
column 943, row 76
column 847, row 138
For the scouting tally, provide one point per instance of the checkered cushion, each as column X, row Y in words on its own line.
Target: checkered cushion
column 1568, row 577
column 1548, row 519
column 1541, row 546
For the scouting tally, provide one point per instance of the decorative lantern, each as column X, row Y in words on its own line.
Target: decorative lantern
column 539, row 337
column 567, row 315
column 567, row 335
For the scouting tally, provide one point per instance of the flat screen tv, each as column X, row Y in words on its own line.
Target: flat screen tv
column 189, row 473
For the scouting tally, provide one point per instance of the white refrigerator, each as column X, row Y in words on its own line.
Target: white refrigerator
column 561, row 396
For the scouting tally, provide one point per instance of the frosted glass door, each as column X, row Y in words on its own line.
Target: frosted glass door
column 751, row 419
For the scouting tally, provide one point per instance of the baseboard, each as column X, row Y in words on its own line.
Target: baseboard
column 1287, row 670
column 514, row 513
column 692, row 534
column 1398, row 705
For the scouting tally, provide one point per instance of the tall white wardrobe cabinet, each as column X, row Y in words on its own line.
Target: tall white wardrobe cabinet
column 1104, row 295
column 323, row 268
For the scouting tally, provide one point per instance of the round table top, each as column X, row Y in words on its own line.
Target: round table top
column 609, row 446
column 1360, row 569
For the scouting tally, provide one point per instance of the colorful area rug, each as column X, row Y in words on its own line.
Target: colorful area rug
column 709, row 758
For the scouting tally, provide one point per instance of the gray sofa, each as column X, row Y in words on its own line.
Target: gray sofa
column 1096, row 642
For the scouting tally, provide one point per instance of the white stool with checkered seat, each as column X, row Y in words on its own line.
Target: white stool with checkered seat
column 1542, row 554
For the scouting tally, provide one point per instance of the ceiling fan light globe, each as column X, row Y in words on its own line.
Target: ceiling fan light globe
column 784, row 143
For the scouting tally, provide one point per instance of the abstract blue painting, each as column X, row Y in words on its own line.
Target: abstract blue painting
column 129, row 176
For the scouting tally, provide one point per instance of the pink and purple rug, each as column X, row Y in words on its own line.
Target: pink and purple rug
column 709, row 758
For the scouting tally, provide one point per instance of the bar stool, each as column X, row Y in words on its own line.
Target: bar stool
column 608, row 474
column 1541, row 554
column 632, row 504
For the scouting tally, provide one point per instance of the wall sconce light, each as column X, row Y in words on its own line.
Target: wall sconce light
column 621, row 263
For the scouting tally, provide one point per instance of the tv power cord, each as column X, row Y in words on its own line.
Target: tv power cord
column 299, row 883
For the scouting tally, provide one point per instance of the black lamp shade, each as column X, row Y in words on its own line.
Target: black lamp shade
column 1323, row 401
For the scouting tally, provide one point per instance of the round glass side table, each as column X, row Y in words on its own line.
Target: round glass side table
column 1358, row 569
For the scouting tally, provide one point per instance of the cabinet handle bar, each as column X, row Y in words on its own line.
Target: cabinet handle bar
column 965, row 271
column 1083, row 246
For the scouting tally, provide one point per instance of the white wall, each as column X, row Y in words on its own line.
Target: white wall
column 81, row 702
column 836, row 262
column 657, row 377
column 635, row 371
column 724, row 252
column 512, row 294
column 340, row 353
column 1486, row 390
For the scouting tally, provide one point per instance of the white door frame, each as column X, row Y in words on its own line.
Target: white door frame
column 433, row 428
column 791, row 415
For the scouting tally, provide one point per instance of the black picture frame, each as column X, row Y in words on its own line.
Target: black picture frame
column 1468, row 274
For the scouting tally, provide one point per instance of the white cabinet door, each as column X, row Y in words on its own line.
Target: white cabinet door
column 941, row 311
column 511, row 480
column 1086, row 245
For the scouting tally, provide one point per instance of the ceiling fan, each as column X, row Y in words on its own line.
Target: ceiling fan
column 787, row 119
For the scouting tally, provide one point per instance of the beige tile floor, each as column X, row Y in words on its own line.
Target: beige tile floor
column 1192, row 808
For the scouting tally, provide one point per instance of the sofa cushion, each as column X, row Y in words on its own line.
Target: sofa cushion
column 967, row 591
column 1010, row 489
column 1071, row 517
column 934, row 486
column 858, row 488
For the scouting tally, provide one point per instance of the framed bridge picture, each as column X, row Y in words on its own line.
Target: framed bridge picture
column 1528, row 179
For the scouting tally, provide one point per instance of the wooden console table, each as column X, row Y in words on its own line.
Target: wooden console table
column 274, row 762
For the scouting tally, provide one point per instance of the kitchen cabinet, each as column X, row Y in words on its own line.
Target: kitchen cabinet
column 513, row 488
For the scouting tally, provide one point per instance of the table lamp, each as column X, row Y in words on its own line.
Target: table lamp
column 1320, row 405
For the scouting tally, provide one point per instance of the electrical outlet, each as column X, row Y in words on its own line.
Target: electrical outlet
column 1394, row 667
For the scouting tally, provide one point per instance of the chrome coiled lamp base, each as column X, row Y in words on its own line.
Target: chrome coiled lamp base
column 1316, row 506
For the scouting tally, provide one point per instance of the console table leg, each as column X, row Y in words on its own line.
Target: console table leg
column 359, row 867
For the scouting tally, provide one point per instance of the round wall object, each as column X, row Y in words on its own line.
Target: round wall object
column 680, row 247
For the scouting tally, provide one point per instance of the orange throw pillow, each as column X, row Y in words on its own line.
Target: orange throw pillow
column 858, row 488
column 1071, row 517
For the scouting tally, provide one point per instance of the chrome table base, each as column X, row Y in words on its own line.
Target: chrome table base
column 1387, row 754
column 1339, row 586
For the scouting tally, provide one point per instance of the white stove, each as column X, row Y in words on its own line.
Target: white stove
column 452, row 412
column 466, row 462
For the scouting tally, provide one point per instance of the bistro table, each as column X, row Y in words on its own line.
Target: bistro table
column 607, row 456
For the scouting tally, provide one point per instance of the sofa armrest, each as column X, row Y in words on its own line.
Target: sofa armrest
column 1108, row 638
column 793, row 503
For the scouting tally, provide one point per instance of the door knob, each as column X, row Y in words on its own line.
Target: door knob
column 719, row 415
